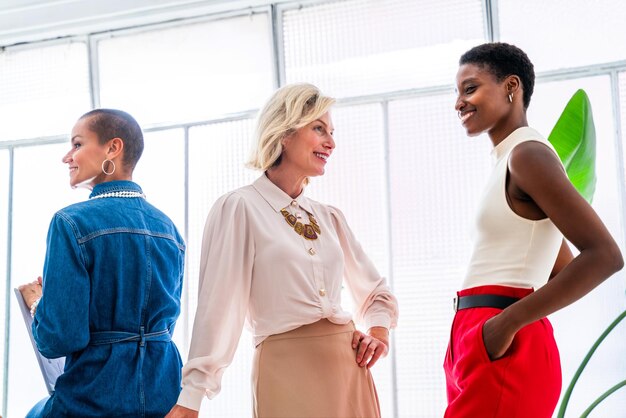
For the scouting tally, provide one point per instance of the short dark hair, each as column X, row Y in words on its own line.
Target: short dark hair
column 113, row 123
column 502, row 60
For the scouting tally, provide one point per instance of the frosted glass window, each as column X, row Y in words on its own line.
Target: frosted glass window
column 622, row 107
column 436, row 176
column 355, row 182
column 41, row 187
column 4, row 207
column 355, row 177
column 578, row 326
column 43, row 89
column 217, row 154
column 359, row 47
column 161, row 175
column 188, row 73
column 565, row 33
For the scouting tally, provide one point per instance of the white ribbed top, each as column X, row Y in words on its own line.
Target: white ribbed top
column 510, row 250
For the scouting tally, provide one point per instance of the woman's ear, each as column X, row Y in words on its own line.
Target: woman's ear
column 115, row 148
column 513, row 84
column 286, row 139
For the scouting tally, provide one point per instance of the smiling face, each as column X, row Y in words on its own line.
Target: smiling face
column 307, row 150
column 482, row 101
column 85, row 156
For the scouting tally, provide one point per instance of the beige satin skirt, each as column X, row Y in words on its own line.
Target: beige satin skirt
column 311, row 372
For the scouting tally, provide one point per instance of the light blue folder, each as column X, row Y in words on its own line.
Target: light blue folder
column 51, row 369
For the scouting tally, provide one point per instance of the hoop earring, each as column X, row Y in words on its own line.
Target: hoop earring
column 106, row 172
column 510, row 97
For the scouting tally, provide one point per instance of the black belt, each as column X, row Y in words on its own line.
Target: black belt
column 483, row 301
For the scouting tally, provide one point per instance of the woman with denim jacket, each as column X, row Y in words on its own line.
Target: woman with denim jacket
column 112, row 279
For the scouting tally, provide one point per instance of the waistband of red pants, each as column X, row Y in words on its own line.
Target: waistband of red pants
column 514, row 292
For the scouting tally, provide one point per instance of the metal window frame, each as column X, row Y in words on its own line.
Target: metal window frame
column 619, row 147
column 492, row 23
column 275, row 11
column 7, row 285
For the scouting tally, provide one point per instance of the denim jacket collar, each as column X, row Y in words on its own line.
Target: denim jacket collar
column 115, row 186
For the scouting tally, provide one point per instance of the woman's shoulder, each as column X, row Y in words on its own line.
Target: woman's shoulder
column 71, row 218
column 531, row 149
column 234, row 200
column 535, row 159
column 529, row 143
column 75, row 211
column 239, row 195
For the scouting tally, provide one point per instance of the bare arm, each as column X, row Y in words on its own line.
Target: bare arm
column 535, row 170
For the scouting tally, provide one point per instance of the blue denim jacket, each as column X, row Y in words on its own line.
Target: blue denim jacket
column 111, row 295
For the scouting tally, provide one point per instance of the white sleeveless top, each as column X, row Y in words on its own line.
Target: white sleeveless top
column 510, row 250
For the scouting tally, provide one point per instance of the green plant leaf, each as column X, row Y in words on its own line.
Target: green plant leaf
column 583, row 364
column 603, row 397
column 574, row 138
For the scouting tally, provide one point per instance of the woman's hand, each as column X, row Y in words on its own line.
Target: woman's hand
column 496, row 338
column 31, row 291
column 182, row 412
column 370, row 347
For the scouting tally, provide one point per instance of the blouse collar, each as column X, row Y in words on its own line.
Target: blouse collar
column 277, row 198
column 115, row 186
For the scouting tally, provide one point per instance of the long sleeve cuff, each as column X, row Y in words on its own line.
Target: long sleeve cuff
column 191, row 398
column 379, row 320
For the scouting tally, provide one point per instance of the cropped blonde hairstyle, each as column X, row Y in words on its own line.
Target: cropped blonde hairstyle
column 291, row 107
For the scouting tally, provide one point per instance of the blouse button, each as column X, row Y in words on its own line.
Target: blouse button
column 294, row 203
column 312, row 251
column 322, row 292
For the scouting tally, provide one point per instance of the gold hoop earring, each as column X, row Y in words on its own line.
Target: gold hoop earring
column 106, row 172
column 510, row 97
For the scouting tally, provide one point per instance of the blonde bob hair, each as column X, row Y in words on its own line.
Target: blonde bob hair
column 291, row 107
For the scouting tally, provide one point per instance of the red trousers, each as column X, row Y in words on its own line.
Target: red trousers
column 524, row 383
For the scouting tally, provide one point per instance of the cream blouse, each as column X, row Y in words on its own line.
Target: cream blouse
column 255, row 268
column 510, row 250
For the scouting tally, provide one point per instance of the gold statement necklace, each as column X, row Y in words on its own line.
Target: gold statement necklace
column 309, row 231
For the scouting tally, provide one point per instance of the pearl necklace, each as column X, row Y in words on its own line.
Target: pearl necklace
column 123, row 193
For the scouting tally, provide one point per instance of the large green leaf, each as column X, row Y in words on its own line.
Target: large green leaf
column 574, row 138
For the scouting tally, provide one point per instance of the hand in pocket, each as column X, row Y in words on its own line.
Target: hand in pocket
column 496, row 338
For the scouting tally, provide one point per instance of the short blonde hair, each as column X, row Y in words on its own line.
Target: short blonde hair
column 291, row 107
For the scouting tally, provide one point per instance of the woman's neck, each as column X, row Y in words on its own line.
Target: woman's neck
column 499, row 133
column 286, row 180
column 117, row 176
